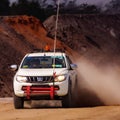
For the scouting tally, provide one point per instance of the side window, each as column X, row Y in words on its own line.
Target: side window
column 69, row 62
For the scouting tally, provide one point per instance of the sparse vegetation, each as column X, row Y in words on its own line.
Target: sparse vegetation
column 42, row 10
column 113, row 7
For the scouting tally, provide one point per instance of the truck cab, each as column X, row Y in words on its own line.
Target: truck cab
column 44, row 76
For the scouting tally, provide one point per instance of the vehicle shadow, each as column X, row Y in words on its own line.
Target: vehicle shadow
column 42, row 104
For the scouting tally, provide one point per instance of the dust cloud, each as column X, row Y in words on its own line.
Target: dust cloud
column 98, row 85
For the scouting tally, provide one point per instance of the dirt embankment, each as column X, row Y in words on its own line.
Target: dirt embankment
column 19, row 35
column 95, row 38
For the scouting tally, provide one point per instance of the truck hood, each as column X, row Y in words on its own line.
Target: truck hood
column 41, row 72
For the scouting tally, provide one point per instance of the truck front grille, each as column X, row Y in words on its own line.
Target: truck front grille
column 40, row 79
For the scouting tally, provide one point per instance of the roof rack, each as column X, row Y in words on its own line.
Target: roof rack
column 42, row 50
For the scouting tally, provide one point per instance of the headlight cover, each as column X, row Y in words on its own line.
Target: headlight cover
column 60, row 78
column 21, row 79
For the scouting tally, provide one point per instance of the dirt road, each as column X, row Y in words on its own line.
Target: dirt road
column 7, row 112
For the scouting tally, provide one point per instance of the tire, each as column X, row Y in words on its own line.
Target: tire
column 67, row 100
column 75, row 94
column 18, row 102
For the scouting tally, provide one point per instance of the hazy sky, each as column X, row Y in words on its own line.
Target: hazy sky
column 93, row 1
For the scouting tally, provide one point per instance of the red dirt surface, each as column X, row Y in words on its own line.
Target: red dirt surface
column 7, row 112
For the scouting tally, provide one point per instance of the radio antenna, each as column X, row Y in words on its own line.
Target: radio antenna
column 56, row 28
column 55, row 41
column 56, row 24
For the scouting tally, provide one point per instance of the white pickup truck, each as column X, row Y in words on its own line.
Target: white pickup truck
column 44, row 76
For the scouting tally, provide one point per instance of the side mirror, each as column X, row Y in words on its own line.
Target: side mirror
column 73, row 66
column 13, row 67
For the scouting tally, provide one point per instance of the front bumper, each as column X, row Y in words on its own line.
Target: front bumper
column 30, row 90
column 40, row 90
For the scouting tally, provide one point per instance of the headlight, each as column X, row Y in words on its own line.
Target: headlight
column 60, row 78
column 21, row 79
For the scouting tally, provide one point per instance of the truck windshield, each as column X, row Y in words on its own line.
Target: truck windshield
column 43, row 62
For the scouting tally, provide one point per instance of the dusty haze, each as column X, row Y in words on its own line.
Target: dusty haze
column 102, row 81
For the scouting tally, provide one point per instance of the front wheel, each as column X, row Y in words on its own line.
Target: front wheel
column 18, row 102
column 67, row 100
